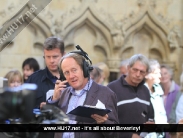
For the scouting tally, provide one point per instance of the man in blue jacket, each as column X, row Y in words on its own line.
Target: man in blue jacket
column 45, row 79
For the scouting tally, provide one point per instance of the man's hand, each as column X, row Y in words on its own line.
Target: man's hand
column 149, row 122
column 135, row 136
column 59, row 87
column 99, row 119
column 149, row 127
column 42, row 104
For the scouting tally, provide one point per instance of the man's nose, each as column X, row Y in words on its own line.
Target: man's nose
column 138, row 73
column 52, row 59
column 71, row 74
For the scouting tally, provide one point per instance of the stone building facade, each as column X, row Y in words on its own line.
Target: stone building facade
column 108, row 30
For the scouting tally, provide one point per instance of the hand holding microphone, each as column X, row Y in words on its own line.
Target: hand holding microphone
column 59, row 87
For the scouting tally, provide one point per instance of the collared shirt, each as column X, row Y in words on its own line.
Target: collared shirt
column 51, row 77
column 76, row 100
column 157, row 102
column 42, row 79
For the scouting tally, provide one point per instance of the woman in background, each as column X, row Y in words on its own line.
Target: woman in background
column 14, row 78
column 170, row 88
column 96, row 75
column 105, row 72
column 29, row 66
column 152, row 80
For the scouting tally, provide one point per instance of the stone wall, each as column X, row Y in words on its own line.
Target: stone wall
column 108, row 30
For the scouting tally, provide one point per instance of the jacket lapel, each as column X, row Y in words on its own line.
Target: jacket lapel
column 92, row 94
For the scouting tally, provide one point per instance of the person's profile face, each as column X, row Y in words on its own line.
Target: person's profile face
column 156, row 75
column 137, row 72
column 52, row 58
column 73, row 73
column 27, row 71
column 102, row 78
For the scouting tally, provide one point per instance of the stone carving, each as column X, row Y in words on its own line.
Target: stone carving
column 57, row 27
column 11, row 7
column 141, row 3
column 173, row 37
column 2, row 13
column 113, row 63
column 153, row 3
column 163, row 19
column 108, row 18
column 118, row 35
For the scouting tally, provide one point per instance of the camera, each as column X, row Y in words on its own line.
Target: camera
column 3, row 82
column 17, row 107
column 17, row 103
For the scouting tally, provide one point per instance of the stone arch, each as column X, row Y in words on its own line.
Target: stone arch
column 28, row 43
column 155, row 54
column 37, row 24
column 88, row 15
column 147, row 20
column 126, row 53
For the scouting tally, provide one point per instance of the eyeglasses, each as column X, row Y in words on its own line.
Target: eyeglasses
column 67, row 73
column 137, row 70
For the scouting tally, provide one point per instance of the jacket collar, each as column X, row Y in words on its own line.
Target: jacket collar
column 92, row 93
column 46, row 75
column 158, row 91
column 124, row 82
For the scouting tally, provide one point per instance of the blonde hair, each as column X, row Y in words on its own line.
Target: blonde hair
column 12, row 74
column 105, row 71
column 104, row 68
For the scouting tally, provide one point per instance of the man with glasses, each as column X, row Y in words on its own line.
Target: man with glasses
column 45, row 79
column 134, row 105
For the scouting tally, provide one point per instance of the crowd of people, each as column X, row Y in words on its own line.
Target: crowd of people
column 144, row 93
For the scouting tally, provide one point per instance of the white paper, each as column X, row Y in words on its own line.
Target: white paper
column 49, row 94
column 100, row 105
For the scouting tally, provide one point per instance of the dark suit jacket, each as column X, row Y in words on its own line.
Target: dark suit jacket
column 41, row 79
column 96, row 92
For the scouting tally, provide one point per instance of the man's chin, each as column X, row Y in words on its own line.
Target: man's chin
column 53, row 69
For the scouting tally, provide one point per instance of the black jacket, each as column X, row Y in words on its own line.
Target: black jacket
column 42, row 79
column 134, row 105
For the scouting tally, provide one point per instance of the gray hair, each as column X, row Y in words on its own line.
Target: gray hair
column 139, row 57
column 124, row 63
column 169, row 69
column 96, row 73
column 78, row 58
column 154, row 64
